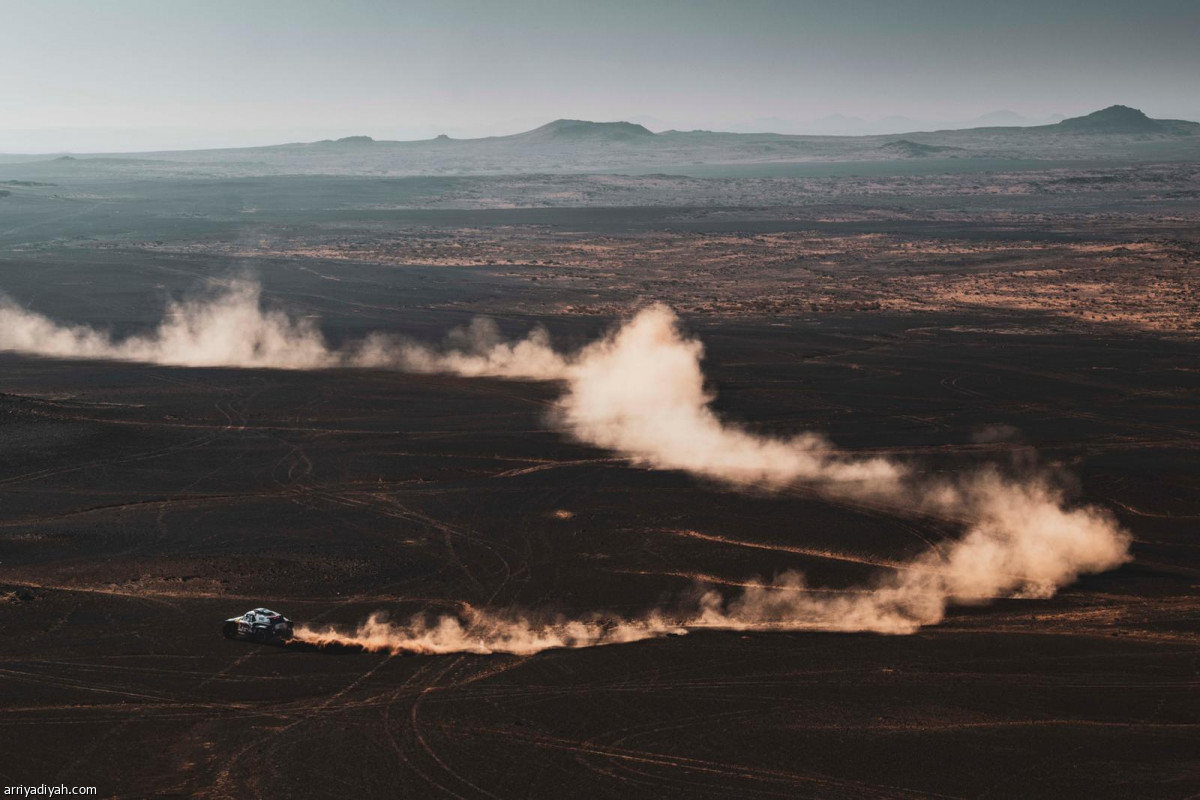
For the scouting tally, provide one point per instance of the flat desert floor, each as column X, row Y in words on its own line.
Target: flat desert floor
column 141, row 505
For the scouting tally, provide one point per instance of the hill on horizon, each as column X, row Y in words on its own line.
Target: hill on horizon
column 580, row 130
column 570, row 145
column 1118, row 119
column 1115, row 120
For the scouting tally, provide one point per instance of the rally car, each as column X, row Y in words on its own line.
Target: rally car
column 259, row 625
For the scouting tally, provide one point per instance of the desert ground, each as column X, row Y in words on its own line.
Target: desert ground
column 1036, row 319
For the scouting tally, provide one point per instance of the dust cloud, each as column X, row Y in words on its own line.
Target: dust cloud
column 228, row 329
column 640, row 391
column 1024, row 541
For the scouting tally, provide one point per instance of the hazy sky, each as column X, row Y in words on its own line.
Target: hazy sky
column 251, row 71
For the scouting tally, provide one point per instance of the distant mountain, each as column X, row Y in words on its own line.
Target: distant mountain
column 842, row 125
column 578, row 130
column 759, row 124
column 897, row 123
column 348, row 140
column 566, row 146
column 1114, row 120
column 999, row 118
column 1117, row 119
column 837, row 125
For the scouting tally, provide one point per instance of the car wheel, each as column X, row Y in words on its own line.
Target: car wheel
column 229, row 630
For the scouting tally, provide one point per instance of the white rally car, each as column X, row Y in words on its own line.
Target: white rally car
column 259, row 625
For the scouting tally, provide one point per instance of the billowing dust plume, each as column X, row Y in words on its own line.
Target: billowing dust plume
column 227, row 329
column 1023, row 541
column 640, row 391
column 478, row 631
column 230, row 327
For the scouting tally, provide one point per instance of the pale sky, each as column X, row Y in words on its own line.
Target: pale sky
column 85, row 74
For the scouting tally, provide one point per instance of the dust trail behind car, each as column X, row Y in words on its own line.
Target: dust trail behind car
column 640, row 392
